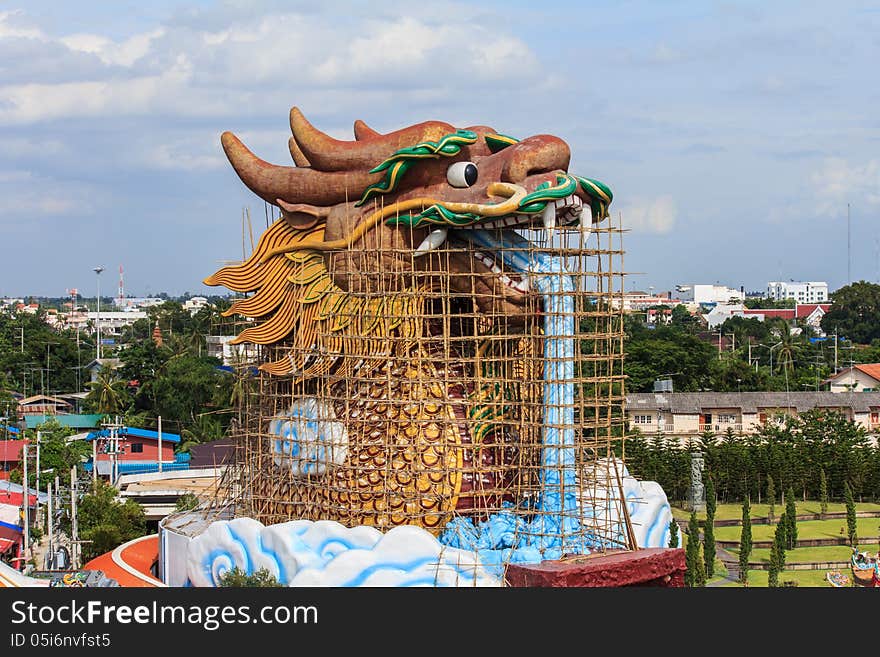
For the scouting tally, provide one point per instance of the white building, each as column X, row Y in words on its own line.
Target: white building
column 194, row 304
column 231, row 354
column 722, row 312
column 112, row 321
column 700, row 293
column 808, row 292
column 637, row 301
column 132, row 303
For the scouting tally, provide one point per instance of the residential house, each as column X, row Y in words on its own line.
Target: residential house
column 810, row 313
column 10, row 456
column 685, row 415
column 858, row 378
column 97, row 364
column 43, row 405
column 136, row 451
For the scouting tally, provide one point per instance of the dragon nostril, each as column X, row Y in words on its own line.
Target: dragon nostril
column 538, row 170
column 535, row 155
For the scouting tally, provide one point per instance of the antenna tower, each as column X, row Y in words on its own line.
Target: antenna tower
column 121, row 300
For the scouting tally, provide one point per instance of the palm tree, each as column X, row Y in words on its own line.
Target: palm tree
column 205, row 429
column 107, row 392
column 787, row 346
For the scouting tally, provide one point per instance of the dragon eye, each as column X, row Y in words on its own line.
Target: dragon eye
column 462, row 174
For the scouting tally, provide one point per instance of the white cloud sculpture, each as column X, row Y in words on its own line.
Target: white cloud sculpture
column 326, row 553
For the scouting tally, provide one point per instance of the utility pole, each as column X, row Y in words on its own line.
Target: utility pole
column 25, row 502
column 160, row 443
column 113, row 449
column 98, row 271
column 49, row 517
column 74, row 530
column 835, row 351
column 37, row 477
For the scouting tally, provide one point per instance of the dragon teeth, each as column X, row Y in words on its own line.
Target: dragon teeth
column 435, row 239
column 523, row 286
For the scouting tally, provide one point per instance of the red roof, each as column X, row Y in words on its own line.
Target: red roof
column 871, row 369
column 10, row 450
column 806, row 309
column 784, row 313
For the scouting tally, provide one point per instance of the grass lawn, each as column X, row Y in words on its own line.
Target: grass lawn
column 806, row 554
column 868, row 527
column 804, row 578
column 734, row 511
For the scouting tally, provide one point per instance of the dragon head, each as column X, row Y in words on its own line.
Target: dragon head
column 388, row 202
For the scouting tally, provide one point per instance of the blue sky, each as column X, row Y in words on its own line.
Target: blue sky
column 733, row 134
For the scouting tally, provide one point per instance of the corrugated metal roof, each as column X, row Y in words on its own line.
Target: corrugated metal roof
column 136, row 433
column 750, row 402
column 72, row 420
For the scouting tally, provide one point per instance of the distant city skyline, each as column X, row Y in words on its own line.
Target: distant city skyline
column 732, row 134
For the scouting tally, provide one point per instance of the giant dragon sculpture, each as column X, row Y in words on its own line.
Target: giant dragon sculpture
column 417, row 419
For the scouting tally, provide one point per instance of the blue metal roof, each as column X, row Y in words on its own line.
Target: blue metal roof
column 144, row 467
column 136, row 433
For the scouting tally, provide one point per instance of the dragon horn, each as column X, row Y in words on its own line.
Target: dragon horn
column 329, row 154
column 363, row 132
column 299, row 159
column 293, row 184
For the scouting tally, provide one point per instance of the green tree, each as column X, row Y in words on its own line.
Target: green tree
column 709, row 529
column 682, row 319
column 745, row 542
column 780, row 540
column 666, row 350
column 771, row 497
column 108, row 393
column 787, row 352
column 695, row 573
column 57, row 454
column 205, row 429
column 851, row 531
column 854, row 312
column 791, row 520
column 773, row 570
column 823, row 493
column 239, row 578
column 187, row 387
column 105, row 522
column 673, row 534
column 186, row 502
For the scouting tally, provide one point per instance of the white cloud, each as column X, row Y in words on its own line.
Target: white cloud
column 124, row 53
column 838, row 181
column 13, row 147
column 26, row 103
column 25, row 195
column 8, row 28
column 178, row 70
column 182, row 157
column 651, row 216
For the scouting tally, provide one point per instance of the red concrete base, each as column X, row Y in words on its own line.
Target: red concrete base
column 647, row 567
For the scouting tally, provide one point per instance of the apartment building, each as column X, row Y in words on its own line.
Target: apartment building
column 685, row 415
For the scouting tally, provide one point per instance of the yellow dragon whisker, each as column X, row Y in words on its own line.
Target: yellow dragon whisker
column 513, row 193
